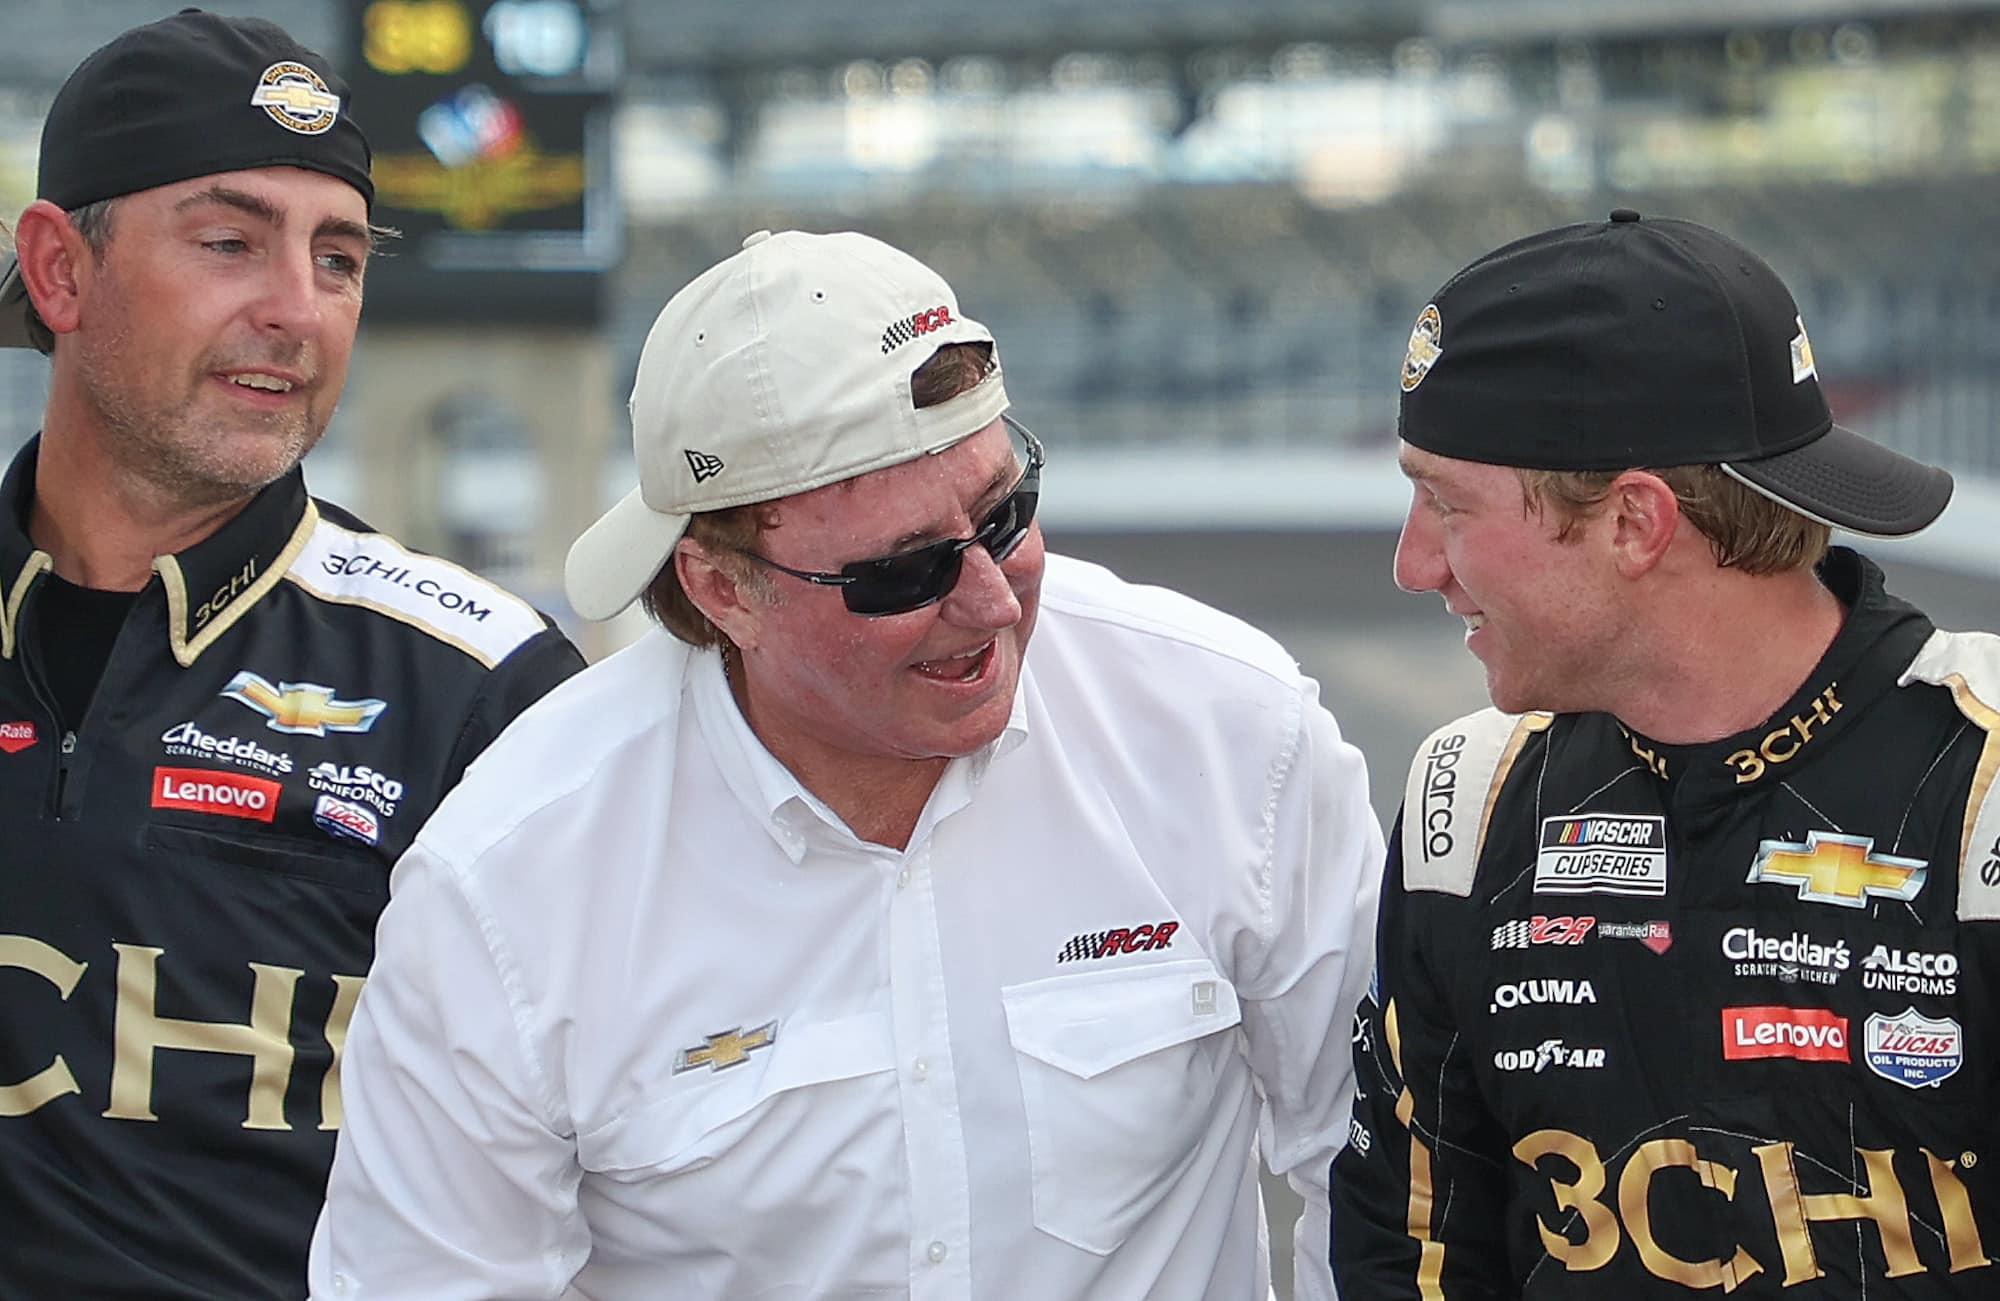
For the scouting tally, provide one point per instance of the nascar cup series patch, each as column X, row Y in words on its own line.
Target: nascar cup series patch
column 1602, row 853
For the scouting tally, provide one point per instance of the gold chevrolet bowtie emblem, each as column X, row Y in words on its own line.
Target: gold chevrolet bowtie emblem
column 303, row 707
column 295, row 96
column 730, row 1048
column 1845, row 870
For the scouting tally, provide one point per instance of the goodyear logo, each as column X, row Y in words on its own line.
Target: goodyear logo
column 296, row 98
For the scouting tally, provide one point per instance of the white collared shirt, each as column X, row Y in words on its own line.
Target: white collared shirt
column 646, row 1017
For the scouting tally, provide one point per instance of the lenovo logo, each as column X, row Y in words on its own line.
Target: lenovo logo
column 205, row 790
column 1810, row 1034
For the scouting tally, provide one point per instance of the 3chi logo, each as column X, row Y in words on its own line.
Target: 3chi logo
column 296, row 98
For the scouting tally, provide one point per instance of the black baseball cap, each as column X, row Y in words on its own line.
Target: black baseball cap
column 188, row 96
column 1641, row 343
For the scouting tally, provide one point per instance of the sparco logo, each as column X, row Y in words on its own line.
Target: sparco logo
column 357, row 782
column 1522, row 993
column 1440, row 794
column 1989, row 871
column 188, row 741
column 1910, row 971
column 911, row 327
column 203, row 790
column 1796, row 957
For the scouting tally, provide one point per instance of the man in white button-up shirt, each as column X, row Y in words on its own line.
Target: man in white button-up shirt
column 829, row 942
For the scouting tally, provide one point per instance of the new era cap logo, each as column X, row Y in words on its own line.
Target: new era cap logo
column 705, row 467
column 296, row 98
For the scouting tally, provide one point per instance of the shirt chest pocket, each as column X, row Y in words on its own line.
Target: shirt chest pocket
column 735, row 1106
column 1119, row 1072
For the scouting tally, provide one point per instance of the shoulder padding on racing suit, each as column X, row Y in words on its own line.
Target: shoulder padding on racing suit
column 1454, row 779
column 1967, row 664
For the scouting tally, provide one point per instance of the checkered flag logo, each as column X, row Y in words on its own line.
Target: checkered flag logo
column 1513, row 935
column 1083, row 947
column 703, row 465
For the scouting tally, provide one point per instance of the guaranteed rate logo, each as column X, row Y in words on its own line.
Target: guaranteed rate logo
column 1603, row 853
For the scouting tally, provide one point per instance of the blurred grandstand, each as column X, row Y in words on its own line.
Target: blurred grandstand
column 1201, row 231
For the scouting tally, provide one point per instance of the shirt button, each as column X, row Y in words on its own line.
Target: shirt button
column 903, row 878
column 935, row 1253
column 342, row 1284
column 921, row 1068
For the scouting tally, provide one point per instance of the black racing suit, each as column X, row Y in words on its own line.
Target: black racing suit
column 1661, row 1019
column 190, row 879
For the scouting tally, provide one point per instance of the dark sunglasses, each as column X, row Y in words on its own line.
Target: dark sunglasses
column 911, row 580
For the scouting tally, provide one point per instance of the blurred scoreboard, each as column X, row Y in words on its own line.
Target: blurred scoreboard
column 490, row 122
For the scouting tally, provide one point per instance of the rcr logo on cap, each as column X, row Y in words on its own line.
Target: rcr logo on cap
column 1424, row 349
column 296, row 98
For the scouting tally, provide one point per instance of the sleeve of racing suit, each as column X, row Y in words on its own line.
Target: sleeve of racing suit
column 456, row 1173
column 1319, row 908
column 535, row 668
column 1420, row 1192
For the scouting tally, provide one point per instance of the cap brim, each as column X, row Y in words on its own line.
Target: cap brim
column 616, row 557
column 14, row 308
column 1852, row 483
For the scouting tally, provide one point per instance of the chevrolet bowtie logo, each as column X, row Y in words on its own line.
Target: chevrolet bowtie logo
column 1831, row 868
column 295, row 97
column 730, row 1048
column 303, row 707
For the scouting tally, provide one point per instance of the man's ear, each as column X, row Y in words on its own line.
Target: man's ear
column 1645, row 518
column 52, row 254
column 713, row 588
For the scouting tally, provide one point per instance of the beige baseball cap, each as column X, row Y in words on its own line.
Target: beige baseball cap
column 781, row 369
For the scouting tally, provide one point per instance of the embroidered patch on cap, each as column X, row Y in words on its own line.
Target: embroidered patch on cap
column 296, row 98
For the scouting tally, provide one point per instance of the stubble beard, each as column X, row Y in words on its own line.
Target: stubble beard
column 184, row 459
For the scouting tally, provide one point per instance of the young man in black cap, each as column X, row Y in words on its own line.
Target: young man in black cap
column 224, row 707
column 1680, row 965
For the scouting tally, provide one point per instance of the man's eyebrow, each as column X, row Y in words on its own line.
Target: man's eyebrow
column 989, row 496
column 256, row 205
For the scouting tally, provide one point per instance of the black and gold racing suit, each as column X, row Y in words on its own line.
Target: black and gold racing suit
column 1655, row 1020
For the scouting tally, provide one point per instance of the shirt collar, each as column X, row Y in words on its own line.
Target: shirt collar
column 208, row 586
column 793, row 814
column 1878, row 637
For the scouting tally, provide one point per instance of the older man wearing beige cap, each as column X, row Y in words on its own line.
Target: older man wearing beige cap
column 831, row 941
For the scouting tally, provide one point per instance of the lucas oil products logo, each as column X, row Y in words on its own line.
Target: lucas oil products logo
column 1792, row 958
column 1809, row 1034
column 1910, row 971
column 208, row 790
column 186, row 741
column 1915, row 1051
column 348, row 821
column 1603, row 853
column 357, row 782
